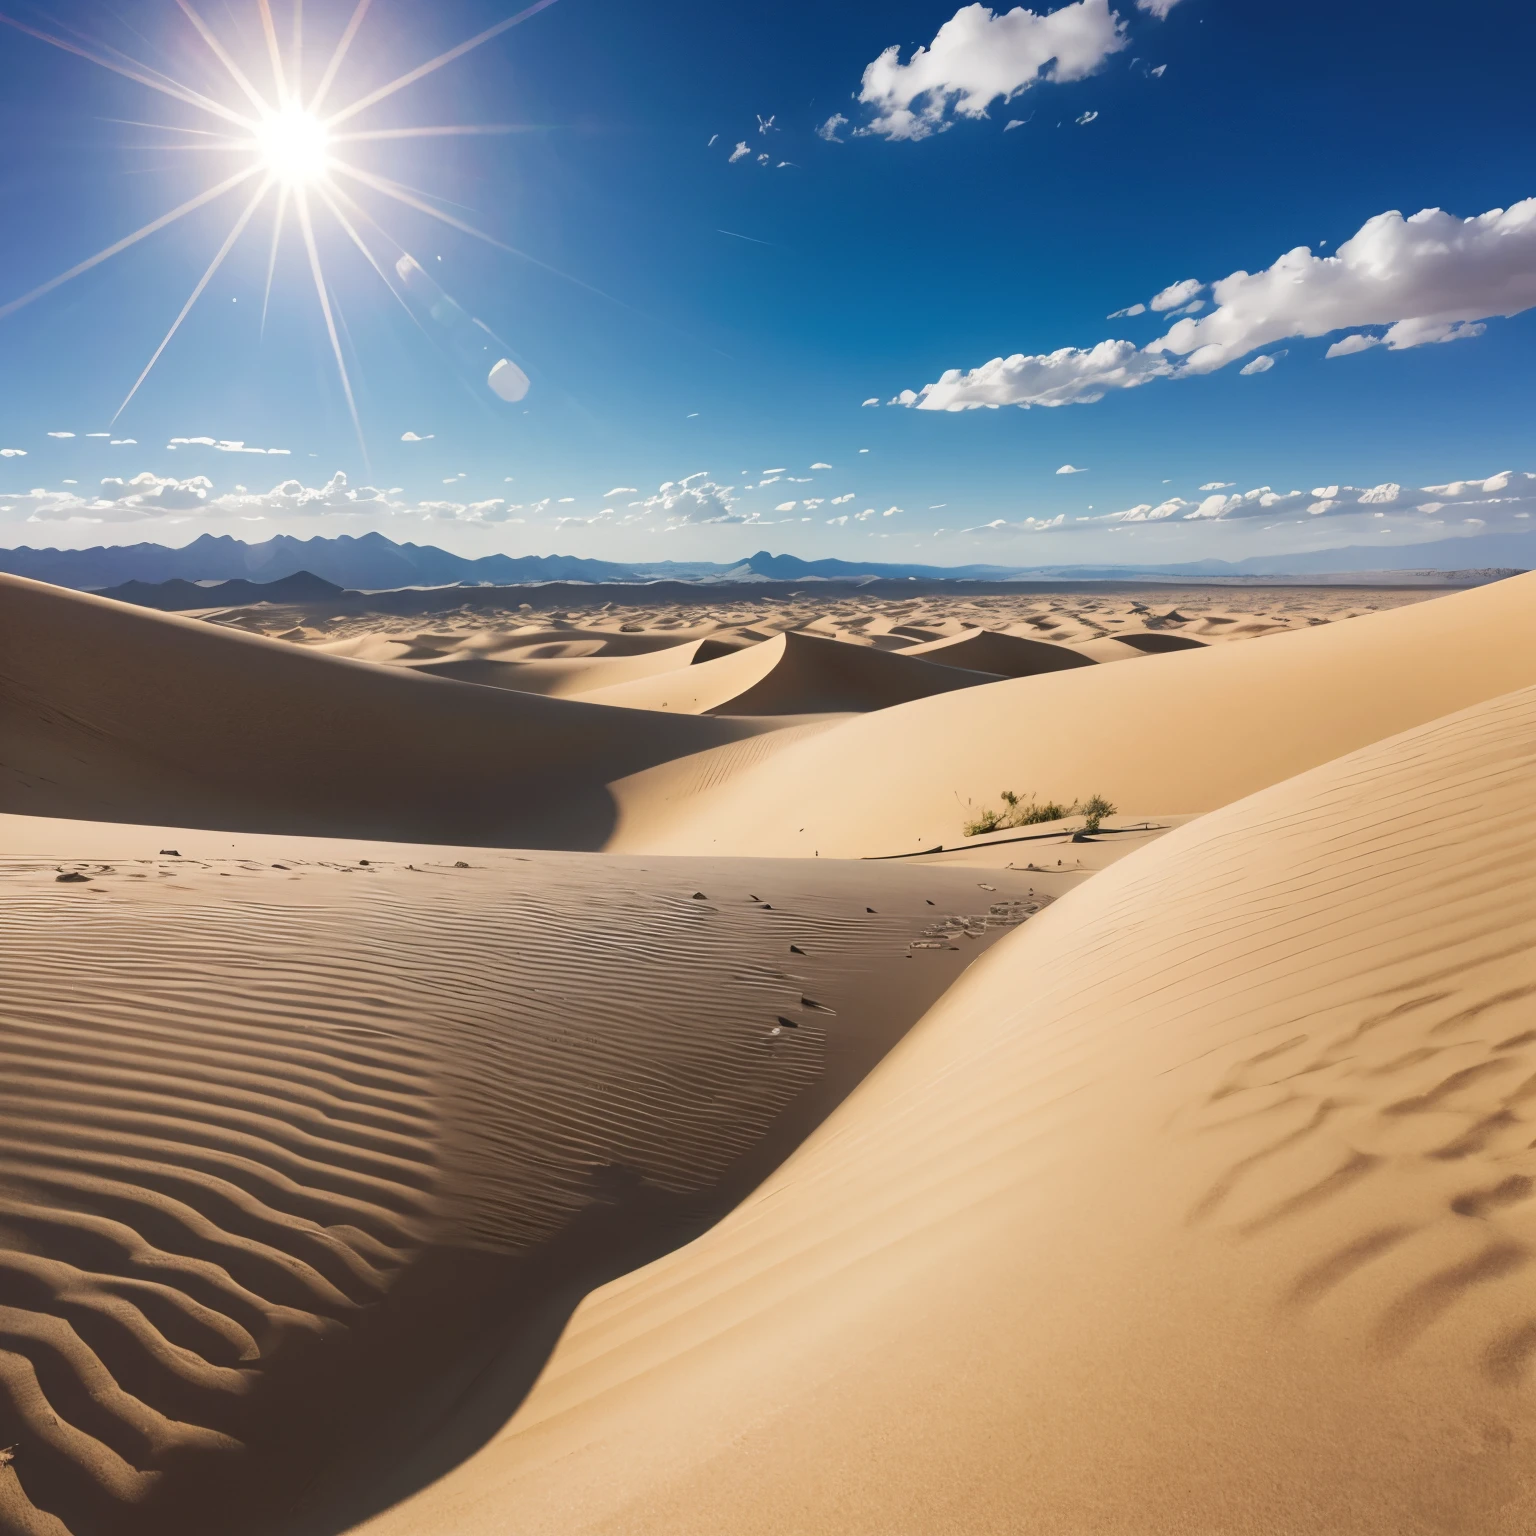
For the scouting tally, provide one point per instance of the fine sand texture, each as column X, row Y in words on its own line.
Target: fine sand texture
column 1204, row 1204
column 123, row 714
column 296, row 1134
column 1167, row 734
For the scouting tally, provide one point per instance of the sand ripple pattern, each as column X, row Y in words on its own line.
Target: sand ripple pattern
column 192, row 1181
column 246, row 1105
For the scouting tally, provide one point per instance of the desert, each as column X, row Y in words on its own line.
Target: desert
column 600, row 1153
column 767, row 771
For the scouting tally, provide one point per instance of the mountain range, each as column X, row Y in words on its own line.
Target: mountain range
column 373, row 562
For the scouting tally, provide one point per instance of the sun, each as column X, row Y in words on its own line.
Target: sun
column 293, row 146
column 289, row 145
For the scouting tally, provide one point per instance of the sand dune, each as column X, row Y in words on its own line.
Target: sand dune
column 296, row 1132
column 1201, row 1205
column 1171, row 734
column 124, row 714
column 1134, row 643
column 792, row 674
column 570, row 677
column 988, row 650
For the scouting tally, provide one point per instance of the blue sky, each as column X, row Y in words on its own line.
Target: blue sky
column 719, row 323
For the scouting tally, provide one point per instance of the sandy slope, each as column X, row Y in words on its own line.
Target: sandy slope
column 793, row 674
column 294, row 1132
column 1170, row 734
column 989, row 650
column 120, row 713
column 1203, row 1205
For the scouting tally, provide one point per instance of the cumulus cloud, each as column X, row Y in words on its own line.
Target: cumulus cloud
column 1426, row 279
column 1218, row 485
column 1175, row 295
column 838, row 501
column 1070, row 376
column 693, row 499
column 1121, row 314
column 977, row 58
column 1261, row 364
column 741, row 152
column 829, row 129
column 1071, row 469
column 13, row 453
column 819, row 465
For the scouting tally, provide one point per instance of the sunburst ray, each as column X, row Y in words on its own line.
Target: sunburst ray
column 153, row 227
column 197, row 293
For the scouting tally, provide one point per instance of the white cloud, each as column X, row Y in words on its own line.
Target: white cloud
column 873, row 400
column 1177, row 294
column 786, row 506
column 838, row 501
column 1352, row 344
column 1425, row 278
column 837, row 522
column 222, row 445
column 1087, row 117
column 61, row 434
column 1071, row 469
column 123, row 442
column 693, row 499
column 1121, row 314
column 98, row 434
column 891, row 512
column 1429, row 278
column 819, row 465
column 417, row 437
column 1016, row 122
column 977, row 58
column 1157, row 8
column 1218, row 485
column 778, row 469
column 1379, row 495
column 1261, row 364
column 1071, row 376
column 13, row 453
column 621, row 490
column 741, row 151
column 829, row 129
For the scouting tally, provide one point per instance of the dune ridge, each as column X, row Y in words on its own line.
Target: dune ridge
column 793, row 674
column 1172, row 734
column 123, row 714
column 1204, row 1203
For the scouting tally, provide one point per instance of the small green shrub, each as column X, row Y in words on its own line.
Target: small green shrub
column 1095, row 808
column 1018, row 812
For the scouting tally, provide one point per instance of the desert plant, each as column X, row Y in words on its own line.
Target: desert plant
column 986, row 821
column 1016, row 812
column 1094, row 809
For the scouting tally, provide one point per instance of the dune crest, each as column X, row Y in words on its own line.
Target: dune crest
column 1205, row 1203
column 793, row 674
column 125, row 714
column 1172, row 734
